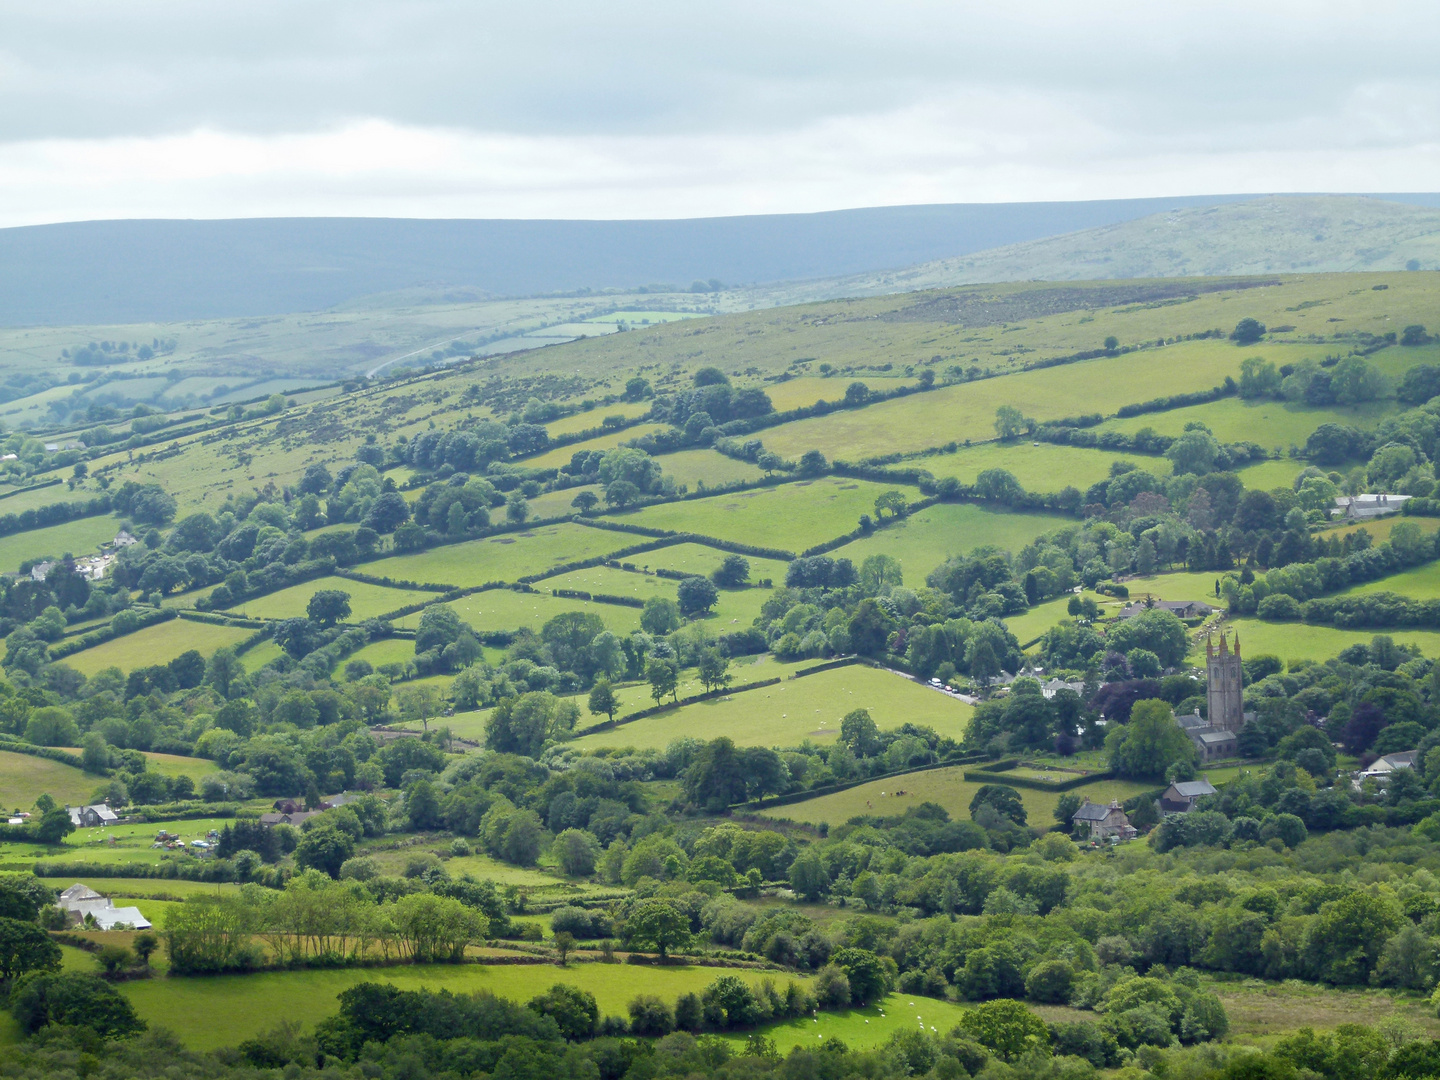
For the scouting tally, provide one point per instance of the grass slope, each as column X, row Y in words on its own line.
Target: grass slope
column 796, row 710
column 505, row 609
column 790, row 517
column 23, row 779
column 81, row 537
column 501, row 558
column 156, row 645
column 366, row 601
column 1040, row 467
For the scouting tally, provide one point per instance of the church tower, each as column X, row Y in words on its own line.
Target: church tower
column 1224, row 686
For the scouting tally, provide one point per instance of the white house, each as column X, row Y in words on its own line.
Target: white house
column 1382, row 767
column 81, row 901
column 1367, row 507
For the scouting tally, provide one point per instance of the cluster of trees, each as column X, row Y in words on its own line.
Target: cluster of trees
column 627, row 475
column 1333, row 381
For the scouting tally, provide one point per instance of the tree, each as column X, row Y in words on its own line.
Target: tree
column 1004, row 800
column 1112, row 343
column 857, row 393
column 865, row 973
column 603, row 699
column 564, row 943
column 1258, row 377
column 879, row 572
column 712, row 668
column 328, row 606
column 859, row 732
column 732, row 573
column 324, row 848
column 657, row 924
column 1415, row 334
column 24, row 947
column 716, row 778
column 1194, row 452
column 812, row 463
column 422, row 807
column 577, row 851
column 808, row 875
column 1009, row 422
column 1007, row 1028
column 55, row 825
column 145, row 943
column 1146, row 746
column 418, row 703
column 95, row 753
column 660, row 616
column 388, row 512
column 75, row 1000
column 585, row 501
column 1247, row 331
column 894, row 501
column 696, row 595
column 621, row 493
column 662, row 677
column 998, row 485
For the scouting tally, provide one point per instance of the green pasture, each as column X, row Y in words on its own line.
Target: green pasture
column 1181, row 585
column 584, row 421
column 790, row 517
column 707, row 468
column 561, row 455
column 385, row 651
column 1422, row 583
column 613, row 582
column 366, row 601
column 152, row 889
column 1379, row 529
column 808, row 389
column 554, row 504
column 796, row 710
column 81, row 537
column 947, row 787
column 506, row 609
column 170, row 764
column 222, row 1010
column 187, row 600
column 23, row 779
column 702, row 560
column 1033, row 623
column 157, row 644
column 967, row 410
column 1040, row 467
column 507, row 557
column 862, row 1028
column 924, row 540
column 256, row 658
column 1271, row 474
column 1275, row 425
column 33, row 498
column 1300, row 641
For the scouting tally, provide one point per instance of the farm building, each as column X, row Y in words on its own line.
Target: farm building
column 1179, row 797
column 1367, row 507
column 1181, row 609
column 1103, row 822
column 82, row 902
column 90, row 817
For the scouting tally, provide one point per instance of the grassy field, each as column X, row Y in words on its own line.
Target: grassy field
column 501, row 558
column 1181, row 585
column 948, row 787
column 82, row 537
column 1271, row 474
column 584, row 421
column 1276, row 425
column 863, row 1028
column 256, row 658
column 1041, row 617
column 223, row 1010
column 30, row 499
column 23, row 779
column 609, row 580
column 1298, row 641
column 1380, row 530
column 1040, row 467
column 791, row 517
column 706, row 468
column 926, row 539
column 385, row 651
column 156, row 645
column 366, row 601
column 553, row 504
column 1422, row 583
column 171, row 764
column 796, row 710
column 505, row 609
column 561, row 455
column 702, row 560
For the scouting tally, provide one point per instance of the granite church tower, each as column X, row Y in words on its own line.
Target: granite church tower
column 1224, row 686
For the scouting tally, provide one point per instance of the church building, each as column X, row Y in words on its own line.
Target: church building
column 1215, row 735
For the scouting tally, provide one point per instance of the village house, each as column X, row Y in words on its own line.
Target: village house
column 1100, row 823
column 80, row 902
column 90, row 817
column 1381, row 768
column 1367, row 507
column 1181, row 609
column 1179, row 797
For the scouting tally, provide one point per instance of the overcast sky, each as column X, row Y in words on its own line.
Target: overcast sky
column 675, row 109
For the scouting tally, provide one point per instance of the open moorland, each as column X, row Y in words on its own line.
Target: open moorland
column 839, row 645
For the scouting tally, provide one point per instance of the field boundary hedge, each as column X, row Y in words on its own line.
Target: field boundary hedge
column 828, row 665
column 40, row 517
column 990, row 776
column 859, row 532
column 171, row 869
column 32, row 487
column 671, row 537
column 105, row 633
column 16, row 745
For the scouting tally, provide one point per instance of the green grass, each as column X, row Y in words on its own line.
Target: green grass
column 1275, row 425
column 366, row 601
column 1042, row 617
column 46, row 496
column 505, row 609
column 1180, row 585
column 791, row 517
column 385, row 651
column 1040, row 467
column 223, row 1010
column 1422, row 583
column 1380, row 530
column 948, row 787
column 172, row 764
column 1299, row 641
column 553, row 504
column 706, row 468
column 23, row 779
column 256, row 658
column 561, row 455
column 796, row 710
column 147, row 888
column 607, row 579
column 863, row 1028
column 501, row 558
column 926, row 539
column 82, row 537
column 156, row 645
column 584, row 421
column 1271, row 474
column 967, row 411
column 702, row 560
